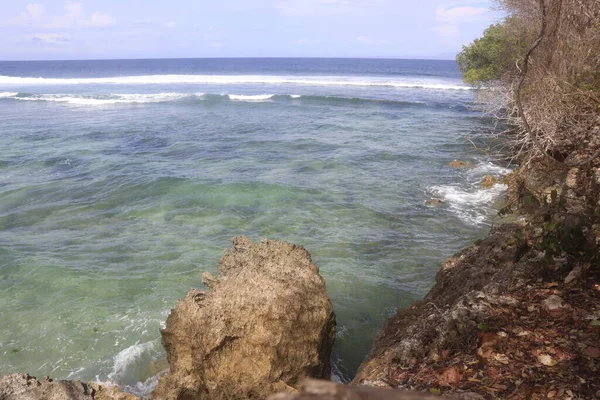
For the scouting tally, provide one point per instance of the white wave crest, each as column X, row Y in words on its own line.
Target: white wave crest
column 488, row 168
column 105, row 100
column 253, row 98
column 5, row 95
column 244, row 80
column 128, row 356
column 472, row 206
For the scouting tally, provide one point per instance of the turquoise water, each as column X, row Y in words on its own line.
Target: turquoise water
column 122, row 181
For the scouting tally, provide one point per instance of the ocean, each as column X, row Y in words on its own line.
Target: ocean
column 122, row 181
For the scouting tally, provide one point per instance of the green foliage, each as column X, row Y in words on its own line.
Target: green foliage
column 491, row 56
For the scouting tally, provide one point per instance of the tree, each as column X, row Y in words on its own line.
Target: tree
column 492, row 56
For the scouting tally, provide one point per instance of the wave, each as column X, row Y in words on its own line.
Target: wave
column 94, row 100
column 258, row 97
column 472, row 206
column 472, row 203
column 417, row 83
column 110, row 99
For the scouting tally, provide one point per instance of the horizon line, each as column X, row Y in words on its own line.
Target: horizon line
column 416, row 58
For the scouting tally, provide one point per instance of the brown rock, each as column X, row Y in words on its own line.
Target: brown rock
column 26, row 387
column 460, row 164
column 553, row 303
column 265, row 323
column 434, row 202
column 322, row 390
column 489, row 181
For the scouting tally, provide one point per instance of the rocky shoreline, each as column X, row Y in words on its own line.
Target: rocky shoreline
column 517, row 314
column 513, row 316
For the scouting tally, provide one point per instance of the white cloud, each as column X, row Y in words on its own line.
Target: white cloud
column 446, row 30
column 98, row 19
column 74, row 15
column 170, row 24
column 366, row 40
column 458, row 15
column 450, row 18
column 319, row 8
column 48, row 38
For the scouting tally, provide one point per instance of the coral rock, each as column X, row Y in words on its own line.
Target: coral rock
column 26, row 387
column 321, row 390
column 460, row 164
column 489, row 181
column 264, row 325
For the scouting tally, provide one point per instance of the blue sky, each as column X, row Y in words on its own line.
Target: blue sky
column 95, row 29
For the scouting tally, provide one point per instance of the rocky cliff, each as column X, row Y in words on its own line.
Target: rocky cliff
column 516, row 315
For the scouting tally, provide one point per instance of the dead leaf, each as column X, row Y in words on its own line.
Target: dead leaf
column 494, row 372
column 501, row 358
column 592, row 352
column 546, row 360
column 444, row 354
column 449, row 376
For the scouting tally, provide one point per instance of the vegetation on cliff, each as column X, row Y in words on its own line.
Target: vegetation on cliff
column 541, row 71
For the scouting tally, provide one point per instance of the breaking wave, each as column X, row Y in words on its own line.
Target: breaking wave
column 364, row 81
column 84, row 99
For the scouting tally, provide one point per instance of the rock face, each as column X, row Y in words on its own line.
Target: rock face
column 265, row 324
column 323, row 390
column 26, row 387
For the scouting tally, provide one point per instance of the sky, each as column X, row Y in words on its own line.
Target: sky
column 116, row 29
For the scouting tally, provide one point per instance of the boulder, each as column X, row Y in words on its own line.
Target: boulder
column 488, row 181
column 460, row 164
column 26, row 387
column 264, row 324
column 322, row 390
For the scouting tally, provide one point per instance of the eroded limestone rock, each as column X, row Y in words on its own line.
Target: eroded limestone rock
column 26, row 387
column 323, row 390
column 264, row 324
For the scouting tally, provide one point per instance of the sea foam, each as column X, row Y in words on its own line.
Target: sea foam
column 93, row 100
column 472, row 206
column 251, row 98
column 364, row 81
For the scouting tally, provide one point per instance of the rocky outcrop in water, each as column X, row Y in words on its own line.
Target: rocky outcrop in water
column 264, row 324
column 26, row 387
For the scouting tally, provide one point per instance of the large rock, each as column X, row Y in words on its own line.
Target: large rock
column 323, row 390
column 264, row 325
column 26, row 387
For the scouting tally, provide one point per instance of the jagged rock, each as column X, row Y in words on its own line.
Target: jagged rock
column 26, row 387
column 553, row 303
column 573, row 275
column 460, row 164
column 322, row 390
column 265, row 323
column 434, row 202
column 489, row 181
